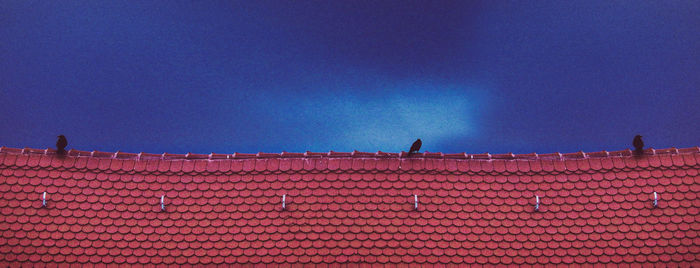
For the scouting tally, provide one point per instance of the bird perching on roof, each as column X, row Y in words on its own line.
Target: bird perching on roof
column 415, row 147
column 61, row 144
column 638, row 145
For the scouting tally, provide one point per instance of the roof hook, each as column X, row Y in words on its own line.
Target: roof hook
column 162, row 202
column 656, row 200
column 284, row 201
column 415, row 201
column 537, row 203
column 43, row 200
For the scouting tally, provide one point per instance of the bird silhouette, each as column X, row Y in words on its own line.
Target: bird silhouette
column 638, row 145
column 415, row 147
column 61, row 144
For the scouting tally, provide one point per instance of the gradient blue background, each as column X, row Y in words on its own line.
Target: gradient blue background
column 272, row 76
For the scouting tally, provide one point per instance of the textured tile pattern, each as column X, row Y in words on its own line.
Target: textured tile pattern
column 349, row 208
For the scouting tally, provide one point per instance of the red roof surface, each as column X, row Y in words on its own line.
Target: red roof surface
column 349, row 208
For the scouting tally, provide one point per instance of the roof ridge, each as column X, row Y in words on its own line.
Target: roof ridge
column 353, row 154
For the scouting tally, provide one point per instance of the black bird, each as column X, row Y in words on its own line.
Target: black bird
column 415, row 147
column 638, row 145
column 61, row 144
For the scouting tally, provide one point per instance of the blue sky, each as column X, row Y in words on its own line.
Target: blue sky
column 272, row 76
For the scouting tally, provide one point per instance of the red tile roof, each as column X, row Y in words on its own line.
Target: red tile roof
column 349, row 208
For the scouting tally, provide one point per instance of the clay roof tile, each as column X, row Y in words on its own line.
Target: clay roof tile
column 104, row 208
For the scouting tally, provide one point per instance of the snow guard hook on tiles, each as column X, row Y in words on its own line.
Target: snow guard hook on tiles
column 43, row 200
column 284, row 203
column 162, row 202
column 537, row 203
column 656, row 200
column 415, row 201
